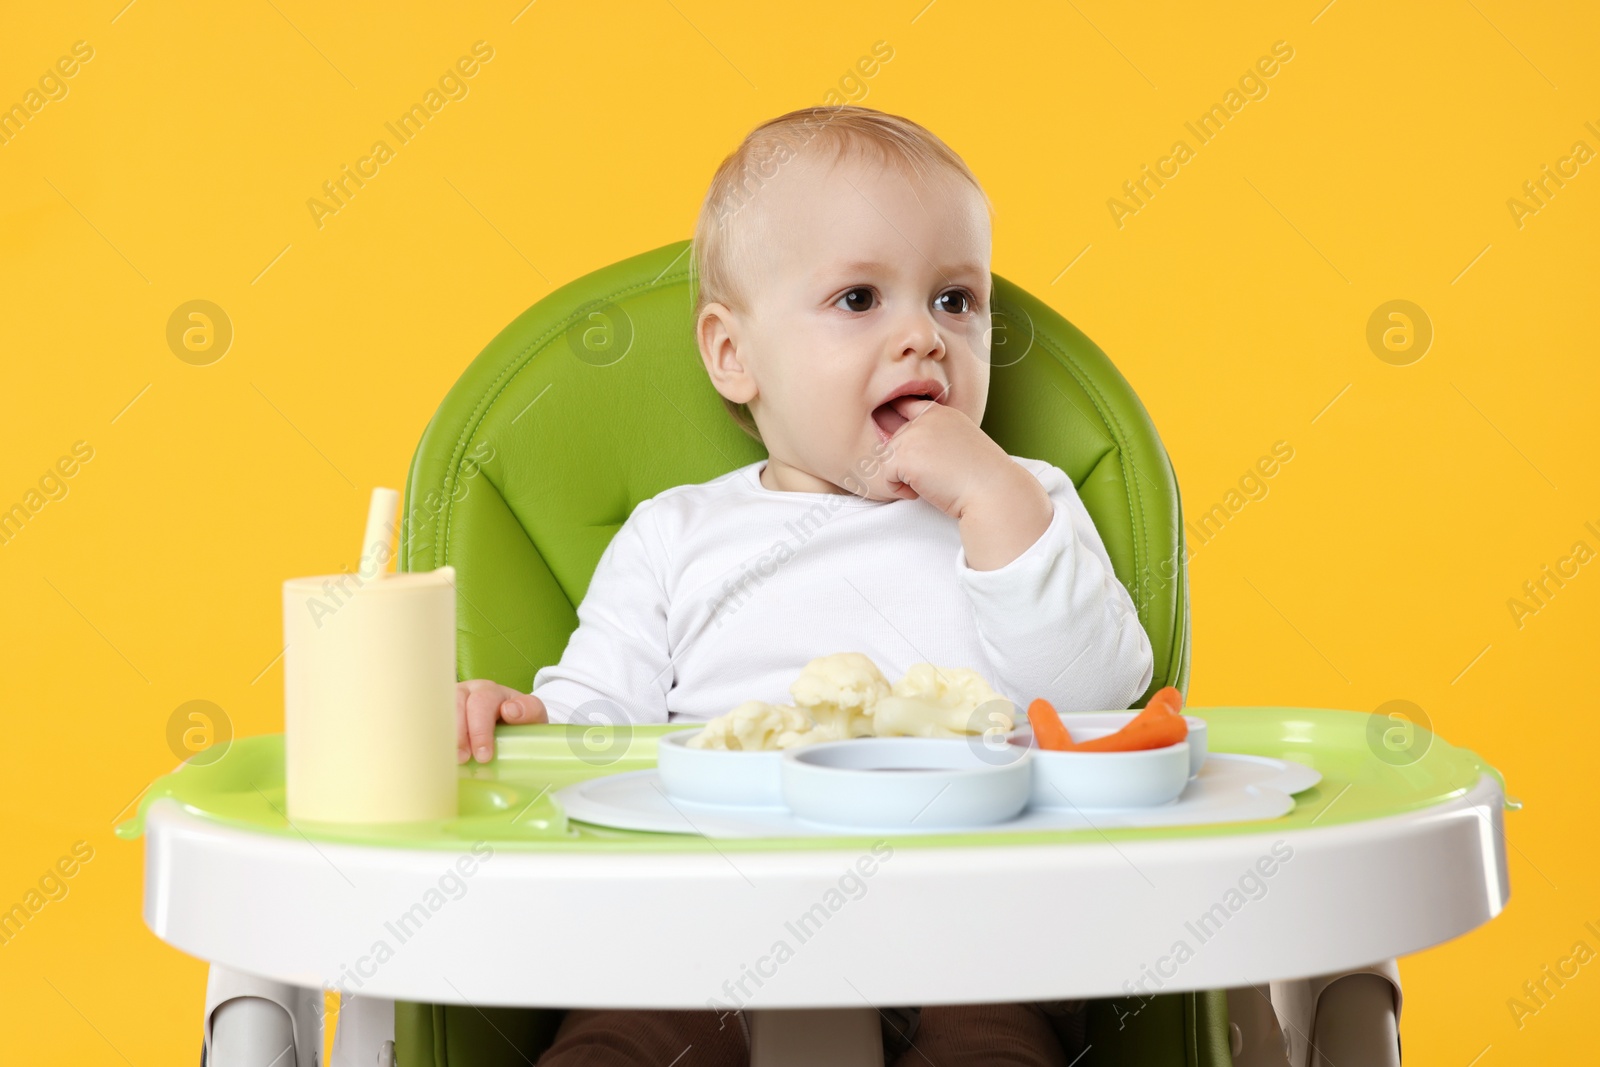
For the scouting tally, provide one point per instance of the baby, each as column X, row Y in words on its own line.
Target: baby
column 843, row 315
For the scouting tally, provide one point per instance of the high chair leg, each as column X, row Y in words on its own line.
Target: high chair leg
column 251, row 1032
column 1256, row 1038
column 1355, row 1023
column 257, row 1022
column 1325, row 1007
column 364, row 1033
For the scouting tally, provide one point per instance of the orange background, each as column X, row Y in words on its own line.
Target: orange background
column 1378, row 566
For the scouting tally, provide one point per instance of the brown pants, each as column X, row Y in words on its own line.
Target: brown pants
column 982, row 1035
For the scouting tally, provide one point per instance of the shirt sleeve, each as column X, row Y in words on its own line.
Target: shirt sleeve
column 616, row 667
column 1055, row 622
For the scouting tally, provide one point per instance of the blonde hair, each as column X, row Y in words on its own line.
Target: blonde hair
column 891, row 140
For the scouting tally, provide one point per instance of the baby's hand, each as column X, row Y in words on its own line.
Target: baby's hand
column 943, row 457
column 480, row 704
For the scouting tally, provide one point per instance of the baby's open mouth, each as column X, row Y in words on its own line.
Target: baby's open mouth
column 888, row 417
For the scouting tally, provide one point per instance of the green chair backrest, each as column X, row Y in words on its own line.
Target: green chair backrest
column 595, row 399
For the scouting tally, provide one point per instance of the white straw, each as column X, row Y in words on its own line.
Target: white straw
column 377, row 545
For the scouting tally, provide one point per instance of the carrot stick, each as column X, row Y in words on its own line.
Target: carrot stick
column 1169, row 698
column 1048, row 729
column 1154, row 727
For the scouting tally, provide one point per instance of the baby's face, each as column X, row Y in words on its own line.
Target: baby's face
column 866, row 284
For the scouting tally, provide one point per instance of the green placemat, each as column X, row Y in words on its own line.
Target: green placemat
column 1368, row 770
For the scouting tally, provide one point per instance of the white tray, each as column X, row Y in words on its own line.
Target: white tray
column 1229, row 788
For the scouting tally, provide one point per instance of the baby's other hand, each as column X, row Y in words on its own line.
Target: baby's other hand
column 480, row 704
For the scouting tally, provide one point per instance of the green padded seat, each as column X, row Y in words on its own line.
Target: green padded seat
column 595, row 399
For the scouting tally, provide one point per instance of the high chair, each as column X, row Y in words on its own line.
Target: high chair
column 595, row 399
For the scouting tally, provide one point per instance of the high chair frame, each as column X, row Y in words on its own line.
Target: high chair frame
column 1394, row 850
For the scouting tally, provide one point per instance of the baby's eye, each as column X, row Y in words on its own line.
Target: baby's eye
column 857, row 299
column 960, row 297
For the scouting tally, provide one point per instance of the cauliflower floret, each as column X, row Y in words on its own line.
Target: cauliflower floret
column 755, row 726
column 839, row 692
column 948, row 702
column 844, row 695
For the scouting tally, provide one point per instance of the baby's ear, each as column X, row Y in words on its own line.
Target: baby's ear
column 717, row 332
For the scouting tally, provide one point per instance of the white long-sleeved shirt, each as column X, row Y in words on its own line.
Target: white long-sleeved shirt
column 713, row 594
